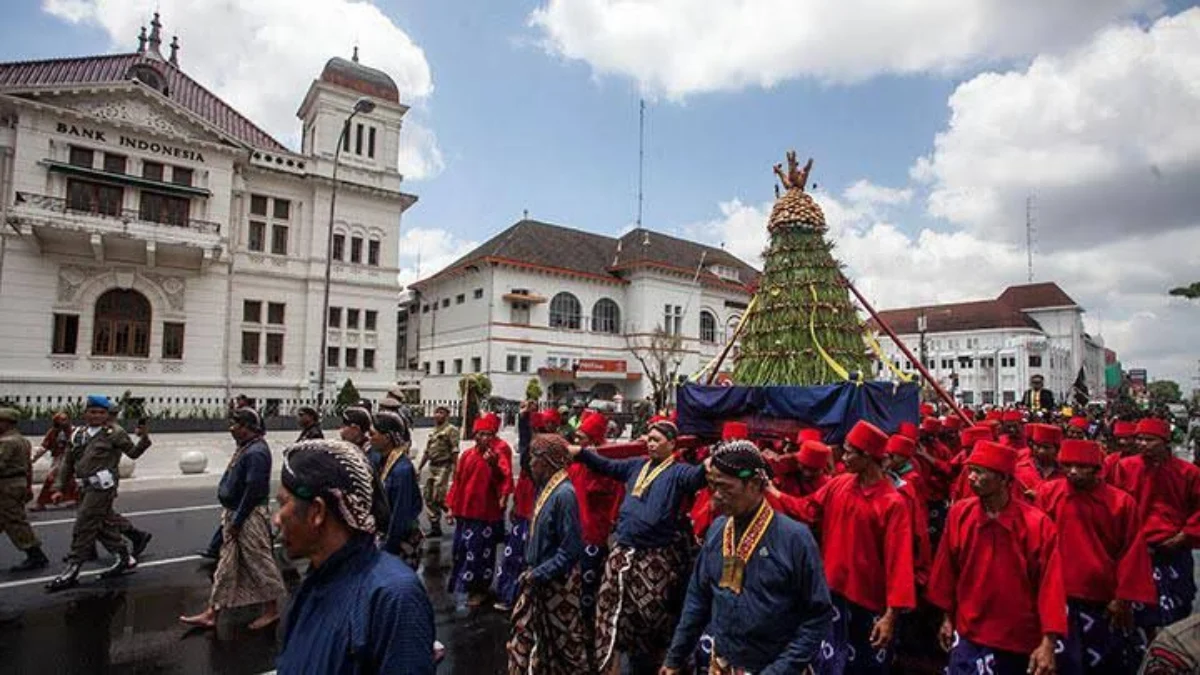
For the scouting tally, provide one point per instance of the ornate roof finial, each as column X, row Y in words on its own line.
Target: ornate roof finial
column 174, row 59
column 155, row 35
column 795, row 178
column 142, row 41
column 355, row 57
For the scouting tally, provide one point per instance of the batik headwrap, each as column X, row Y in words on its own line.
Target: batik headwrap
column 336, row 471
column 666, row 428
column 551, row 448
column 393, row 426
column 249, row 418
column 357, row 416
column 740, row 459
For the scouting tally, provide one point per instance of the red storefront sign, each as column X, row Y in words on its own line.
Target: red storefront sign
column 602, row 366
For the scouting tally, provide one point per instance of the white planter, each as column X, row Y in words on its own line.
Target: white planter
column 125, row 468
column 193, row 462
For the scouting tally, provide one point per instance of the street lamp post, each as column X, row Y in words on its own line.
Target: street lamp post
column 362, row 105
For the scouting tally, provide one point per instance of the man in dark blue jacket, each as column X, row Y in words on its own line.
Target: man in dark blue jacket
column 359, row 610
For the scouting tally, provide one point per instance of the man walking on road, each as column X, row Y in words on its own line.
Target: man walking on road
column 310, row 425
column 441, row 452
column 93, row 459
column 14, row 492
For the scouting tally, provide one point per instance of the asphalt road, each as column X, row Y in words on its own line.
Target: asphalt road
column 130, row 625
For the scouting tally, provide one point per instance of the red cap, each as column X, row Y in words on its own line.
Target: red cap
column 1044, row 434
column 995, row 456
column 489, row 422
column 952, row 423
column 594, row 426
column 808, row 434
column 931, row 425
column 868, row 438
column 814, row 455
column 994, row 414
column 1079, row 451
column 551, row 420
column 1079, row 423
column 1123, row 429
column 901, row 446
column 1012, row 416
column 1153, row 426
column 908, row 429
column 735, row 431
column 972, row 435
column 927, row 409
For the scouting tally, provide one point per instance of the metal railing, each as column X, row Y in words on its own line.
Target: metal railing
column 61, row 205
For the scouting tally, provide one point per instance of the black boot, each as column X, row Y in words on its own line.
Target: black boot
column 67, row 578
column 138, row 541
column 124, row 565
column 35, row 559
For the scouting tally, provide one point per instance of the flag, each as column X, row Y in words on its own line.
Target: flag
column 1079, row 390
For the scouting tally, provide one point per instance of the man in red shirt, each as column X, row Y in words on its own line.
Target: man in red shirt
column 599, row 500
column 1167, row 491
column 476, row 503
column 1121, row 445
column 867, row 546
column 1077, row 427
column 998, row 576
column 804, row 471
column 970, row 436
column 1041, row 464
column 1109, row 565
column 1012, row 432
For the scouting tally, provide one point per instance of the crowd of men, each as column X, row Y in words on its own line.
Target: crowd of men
column 1014, row 541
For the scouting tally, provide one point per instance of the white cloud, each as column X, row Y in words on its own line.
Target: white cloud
column 420, row 156
column 424, row 251
column 1104, row 137
column 261, row 57
column 681, row 47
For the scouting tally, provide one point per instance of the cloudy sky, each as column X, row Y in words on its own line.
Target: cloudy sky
column 932, row 123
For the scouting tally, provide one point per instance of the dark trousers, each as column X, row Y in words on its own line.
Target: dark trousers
column 94, row 522
column 214, row 544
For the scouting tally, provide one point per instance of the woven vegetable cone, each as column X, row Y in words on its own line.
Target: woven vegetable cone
column 802, row 307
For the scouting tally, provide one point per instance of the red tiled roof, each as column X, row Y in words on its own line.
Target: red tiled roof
column 961, row 316
column 113, row 68
column 1035, row 296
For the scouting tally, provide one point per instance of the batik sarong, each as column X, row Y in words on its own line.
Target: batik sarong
column 474, row 555
column 937, row 521
column 591, row 567
column 969, row 658
column 1092, row 646
column 246, row 572
column 1174, row 577
column 548, row 636
column 512, row 562
column 848, row 649
column 639, row 600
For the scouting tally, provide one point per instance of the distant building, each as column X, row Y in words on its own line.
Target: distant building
column 565, row 307
column 156, row 241
column 987, row 350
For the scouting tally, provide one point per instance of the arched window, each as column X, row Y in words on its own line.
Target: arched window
column 565, row 311
column 122, row 324
column 606, row 317
column 708, row 326
column 731, row 327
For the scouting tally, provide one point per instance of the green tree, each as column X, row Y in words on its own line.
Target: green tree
column 474, row 389
column 347, row 397
column 533, row 390
column 803, row 330
column 1191, row 291
column 1165, row 391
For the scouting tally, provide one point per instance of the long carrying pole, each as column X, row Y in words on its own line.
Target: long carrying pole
column 712, row 374
column 946, row 398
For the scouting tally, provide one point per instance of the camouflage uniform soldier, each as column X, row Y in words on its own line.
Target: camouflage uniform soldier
column 14, row 492
column 441, row 453
column 93, row 458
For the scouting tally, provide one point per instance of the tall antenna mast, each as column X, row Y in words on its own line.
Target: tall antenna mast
column 1029, row 237
column 641, row 154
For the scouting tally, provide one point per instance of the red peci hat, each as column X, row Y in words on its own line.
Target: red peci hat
column 868, row 438
column 489, row 422
column 1079, row 423
column 808, row 434
column 1044, row 434
column 1079, row 451
column 994, row 414
column 926, row 409
column 594, row 426
column 1153, row 426
column 952, row 423
column 1012, row 416
column 972, row 435
column 995, row 456
column 1123, row 429
column 735, row 431
column 901, row 446
column 908, row 429
column 931, row 425
column 814, row 455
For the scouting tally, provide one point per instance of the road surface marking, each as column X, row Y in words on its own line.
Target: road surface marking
column 92, row 573
column 156, row 512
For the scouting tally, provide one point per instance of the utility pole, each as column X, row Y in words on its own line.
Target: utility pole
column 1029, row 237
column 641, row 155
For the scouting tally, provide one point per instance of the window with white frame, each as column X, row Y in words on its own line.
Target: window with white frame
column 708, row 327
column 565, row 311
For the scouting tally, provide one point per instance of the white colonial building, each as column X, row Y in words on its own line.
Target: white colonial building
column 156, row 241
column 572, row 309
column 987, row 350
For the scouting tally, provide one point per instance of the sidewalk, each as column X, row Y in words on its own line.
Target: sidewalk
column 159, row 467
